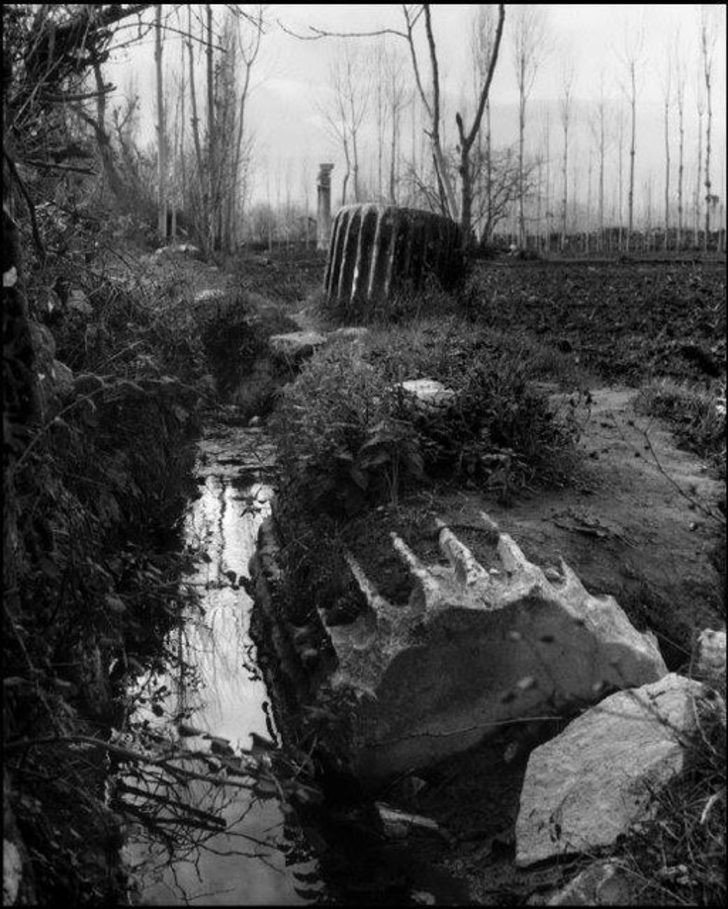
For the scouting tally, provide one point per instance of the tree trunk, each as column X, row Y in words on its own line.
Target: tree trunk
column 667, row 172
column 488, row 171
column 211, row 137
column 521, row 136
column 601, row 176
column 347, row 172
column 698, row 188
column 547, row 180
column 393, row 158
column 633, row 136
column 564, row 172
column 680, row 167
column 202, row 217
column 620, row 178
column 161, row 130
column 708, row 125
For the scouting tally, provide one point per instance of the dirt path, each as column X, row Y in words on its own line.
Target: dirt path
column 631, row 523
column 627, row 528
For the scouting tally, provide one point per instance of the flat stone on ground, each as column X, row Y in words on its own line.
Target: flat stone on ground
column 296, row 345
column 589, row 784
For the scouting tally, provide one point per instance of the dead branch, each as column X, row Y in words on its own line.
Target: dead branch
column 50, row 165
column 708, row 512
column 29, row 202
column 61, row 98
column 319, row 33
column 127, row 754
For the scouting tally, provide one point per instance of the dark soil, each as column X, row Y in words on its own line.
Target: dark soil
column 638, row 519
column 628, row 322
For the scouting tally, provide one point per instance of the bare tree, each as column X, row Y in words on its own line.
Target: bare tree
column 598, row 128
column 700, row 106
column 529, row 37
column 467, row 138
column 350, row 88
column 679, row 66
column 666, row 98
column 708, row 36
column 161, row 128
column 481, row 51
column 631, row 57
column 249, row 40
column 431, row 103
column 548, row 202
column 216, row 184
column 396, row 97
column 380, row 109
column 565, row 114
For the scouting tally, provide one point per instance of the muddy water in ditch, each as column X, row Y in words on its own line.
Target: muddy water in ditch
column 214, row 844
column 201, row 842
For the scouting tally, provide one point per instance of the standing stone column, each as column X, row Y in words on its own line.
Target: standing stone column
column 323, row 214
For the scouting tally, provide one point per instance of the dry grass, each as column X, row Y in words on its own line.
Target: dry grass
column 677, row 857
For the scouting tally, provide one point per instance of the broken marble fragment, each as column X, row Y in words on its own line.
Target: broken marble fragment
column 438, row 674
column 585, row 787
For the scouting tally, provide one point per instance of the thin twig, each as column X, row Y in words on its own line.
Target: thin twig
column 708, row 512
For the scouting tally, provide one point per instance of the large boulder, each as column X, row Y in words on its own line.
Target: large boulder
column 476, row 647
column 589, row 784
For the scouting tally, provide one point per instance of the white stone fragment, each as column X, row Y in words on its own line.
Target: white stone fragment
column 585, row 787
column 447, row 668
column 428, row 394
column 709, row 664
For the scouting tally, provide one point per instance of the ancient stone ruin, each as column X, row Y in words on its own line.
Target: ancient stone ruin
column 478, row 646
column 586, row 786
column 377, row 249
column 323, row 211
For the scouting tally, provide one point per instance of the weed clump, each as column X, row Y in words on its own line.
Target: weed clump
column 696, row 416
column 93, row 489
column 677, row 856
column 350, row 435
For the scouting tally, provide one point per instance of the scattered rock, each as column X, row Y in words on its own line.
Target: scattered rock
column 603, row 883
column 476, row 648
column 295, row 346
column 429, row 394
column 709, row 663
column 586, row 786
column 180, row 249
column 209, row 297
column 399, row 824
column 349, row 333
column 79, row 302
column 63, row 380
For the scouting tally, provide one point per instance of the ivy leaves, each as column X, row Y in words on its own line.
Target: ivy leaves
column 390, row 454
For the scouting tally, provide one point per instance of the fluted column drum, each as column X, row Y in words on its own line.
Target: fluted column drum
column 378, row 249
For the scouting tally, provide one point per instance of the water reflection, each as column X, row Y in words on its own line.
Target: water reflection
column 202, row 841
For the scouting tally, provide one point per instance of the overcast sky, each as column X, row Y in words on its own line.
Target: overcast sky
column 291, row 76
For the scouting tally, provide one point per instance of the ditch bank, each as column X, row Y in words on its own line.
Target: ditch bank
column 459, row 812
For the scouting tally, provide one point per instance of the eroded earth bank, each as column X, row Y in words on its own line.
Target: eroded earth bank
column 478, row 654
column 489, row 596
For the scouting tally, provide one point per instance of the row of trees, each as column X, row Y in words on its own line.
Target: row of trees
column 204, row 145
column 504, row 187
column 402, row 137
column 198, row 168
